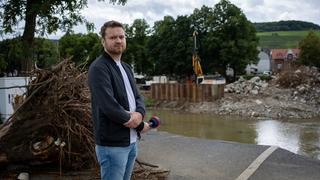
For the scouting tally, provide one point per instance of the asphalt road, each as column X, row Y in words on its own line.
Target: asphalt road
column 194, row 158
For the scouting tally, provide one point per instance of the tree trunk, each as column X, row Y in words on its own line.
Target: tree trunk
column 28, row 37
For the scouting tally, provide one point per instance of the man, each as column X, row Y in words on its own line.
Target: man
column 117, row 107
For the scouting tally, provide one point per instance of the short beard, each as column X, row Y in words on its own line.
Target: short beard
column 113, row 53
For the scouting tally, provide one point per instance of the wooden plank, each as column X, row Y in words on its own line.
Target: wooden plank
column 187, row 92
column 194, row 93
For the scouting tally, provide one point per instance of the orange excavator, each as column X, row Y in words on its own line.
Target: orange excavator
column 196, row 61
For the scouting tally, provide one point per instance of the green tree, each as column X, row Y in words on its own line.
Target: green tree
column 41, row 16
column 290, row 25
column 11, row 50
column 3, row 63
column 137, row 53
column 182, row 56
column 201, row 19
column 81, row 47
column 233, row 38
column 170, row 47
column 162, row 46
column 310, row 50
column 202, row 22
column 46, row 52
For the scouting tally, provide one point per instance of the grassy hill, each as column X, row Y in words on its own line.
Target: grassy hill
column 282, row 39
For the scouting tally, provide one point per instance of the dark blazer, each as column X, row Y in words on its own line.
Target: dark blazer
column 109, row 101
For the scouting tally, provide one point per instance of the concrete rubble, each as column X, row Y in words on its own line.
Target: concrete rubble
column 242, row 86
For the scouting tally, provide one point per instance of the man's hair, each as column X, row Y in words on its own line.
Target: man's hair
column 109, row 24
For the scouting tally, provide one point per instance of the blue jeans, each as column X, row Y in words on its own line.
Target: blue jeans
column 116, row 163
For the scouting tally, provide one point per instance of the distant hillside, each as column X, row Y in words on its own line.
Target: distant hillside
column 282, row 39
column 285, row 26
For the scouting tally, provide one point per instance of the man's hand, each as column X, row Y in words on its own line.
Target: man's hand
column 134, row 121
column 146, row 127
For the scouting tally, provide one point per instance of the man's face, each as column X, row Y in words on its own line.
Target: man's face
column 114, row 40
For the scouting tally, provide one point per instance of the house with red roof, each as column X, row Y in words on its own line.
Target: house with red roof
column 283, row 59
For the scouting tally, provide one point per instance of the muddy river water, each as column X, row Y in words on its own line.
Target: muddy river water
column 299, row 136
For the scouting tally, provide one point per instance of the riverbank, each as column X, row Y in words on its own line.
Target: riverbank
column 294, row 95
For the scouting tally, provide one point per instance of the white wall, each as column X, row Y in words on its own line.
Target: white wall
column 7, row 95
column 264, row 63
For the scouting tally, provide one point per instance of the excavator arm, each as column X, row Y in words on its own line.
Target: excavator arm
column 196, row 60
column 196, row 65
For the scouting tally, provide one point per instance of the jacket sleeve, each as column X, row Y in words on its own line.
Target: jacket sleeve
column 102, row 94
column 140, row 107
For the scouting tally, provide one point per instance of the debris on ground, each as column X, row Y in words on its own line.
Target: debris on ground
column 242, row 86
column 146, row 171
column 304, row 82
column 291, row 94
column 53, row 123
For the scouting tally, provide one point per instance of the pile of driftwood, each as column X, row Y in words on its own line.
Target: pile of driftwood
column 52, row 126
column 53, row 123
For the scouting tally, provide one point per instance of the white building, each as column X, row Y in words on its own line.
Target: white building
column 264, row 64
column 7, row 94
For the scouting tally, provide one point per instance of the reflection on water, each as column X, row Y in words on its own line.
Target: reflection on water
column 300, row 137
column 271, row 132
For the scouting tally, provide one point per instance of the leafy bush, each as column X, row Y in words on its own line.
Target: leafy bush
column 248, row 76
column 148, row 102
column 263, row 77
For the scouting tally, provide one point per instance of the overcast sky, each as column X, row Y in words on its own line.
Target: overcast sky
column 154, row 10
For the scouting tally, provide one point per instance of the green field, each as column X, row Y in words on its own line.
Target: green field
column 282, row 39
